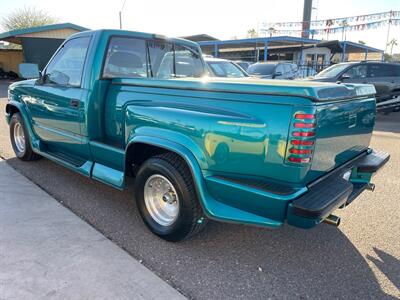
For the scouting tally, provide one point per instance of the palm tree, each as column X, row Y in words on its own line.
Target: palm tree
column 251, row 33
column 271, row 31
column 392, row 43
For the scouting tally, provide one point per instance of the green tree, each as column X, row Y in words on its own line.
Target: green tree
column 26, row 17
column 392, row 43
column 251, row 33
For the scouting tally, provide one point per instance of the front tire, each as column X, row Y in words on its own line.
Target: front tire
column 20, row 139
column 166, row 198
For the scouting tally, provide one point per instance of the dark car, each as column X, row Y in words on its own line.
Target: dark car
column 273, row 70
column 384, row 76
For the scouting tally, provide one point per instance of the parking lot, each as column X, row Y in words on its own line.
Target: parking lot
column 358, row 260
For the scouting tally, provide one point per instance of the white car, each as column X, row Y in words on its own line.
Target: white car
column 218, row 67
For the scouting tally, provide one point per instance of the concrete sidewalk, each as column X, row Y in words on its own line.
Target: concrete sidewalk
column 47, row 252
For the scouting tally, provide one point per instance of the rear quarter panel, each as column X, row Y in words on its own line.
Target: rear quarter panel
column 237, row 134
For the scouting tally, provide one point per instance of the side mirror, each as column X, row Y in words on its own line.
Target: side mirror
column 345, row 76
column 29, row 71
column 277, row 74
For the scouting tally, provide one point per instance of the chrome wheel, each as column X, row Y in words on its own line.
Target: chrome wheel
column 19, row 137
column 161, row 200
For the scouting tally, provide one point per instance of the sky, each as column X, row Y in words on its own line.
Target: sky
column 222, row 19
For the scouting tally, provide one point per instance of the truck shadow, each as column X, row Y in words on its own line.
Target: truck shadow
column 224, row 261
column 388, row 265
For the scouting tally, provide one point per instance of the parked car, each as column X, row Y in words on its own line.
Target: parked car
column 384, row 76
column 305, row 72
column 218, row 67
column 273, row 70
column 112, row 104
column 243, row 64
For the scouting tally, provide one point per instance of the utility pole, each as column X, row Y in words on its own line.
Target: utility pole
column 344, row 33
column 120, row 15
column 388, row 31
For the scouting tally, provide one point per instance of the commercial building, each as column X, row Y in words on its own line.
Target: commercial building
column 37, row 44
column 303, row 51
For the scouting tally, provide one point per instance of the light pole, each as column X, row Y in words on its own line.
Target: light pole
column 120, row 15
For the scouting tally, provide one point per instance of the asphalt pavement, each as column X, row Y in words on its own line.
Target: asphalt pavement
column 358, row 260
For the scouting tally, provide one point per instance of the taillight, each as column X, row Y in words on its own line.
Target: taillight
column 304, row 116
column 304, row 125
column 303, row 134
column 300, row 151
column 299, row 159
column 301, row 142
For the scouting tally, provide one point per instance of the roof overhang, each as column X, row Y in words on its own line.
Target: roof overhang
column 15, row 36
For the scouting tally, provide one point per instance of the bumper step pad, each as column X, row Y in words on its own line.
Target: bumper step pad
column 321, row 199
column 372, row 162
column 334, row 191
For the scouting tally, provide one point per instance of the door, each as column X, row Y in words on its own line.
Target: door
column 57, row 104
column 383, row 77
column 356, row 74
column 279, row 72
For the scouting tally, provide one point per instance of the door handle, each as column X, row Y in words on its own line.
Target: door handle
column 74, row 103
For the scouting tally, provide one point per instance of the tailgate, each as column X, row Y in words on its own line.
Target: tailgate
column 344, row 130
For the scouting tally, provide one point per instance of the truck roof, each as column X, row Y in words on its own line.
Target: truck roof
column 145, row 35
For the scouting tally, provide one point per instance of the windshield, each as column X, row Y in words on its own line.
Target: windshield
column 332, row 71
column 225, row 69
column 261, row 69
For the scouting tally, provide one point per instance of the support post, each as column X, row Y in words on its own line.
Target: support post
column 265, row 50
column 344, row 51
column 215, row 50
column 300, row 62
column 366, row 54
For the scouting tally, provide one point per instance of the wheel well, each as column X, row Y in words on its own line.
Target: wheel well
column 138, row 153
column 11, row 109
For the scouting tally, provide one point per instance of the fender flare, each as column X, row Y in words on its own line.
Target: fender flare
column 187, row 155
column 34, row 141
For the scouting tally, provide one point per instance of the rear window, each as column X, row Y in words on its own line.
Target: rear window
column 261, row 69
column 382, row 70
column 168, row 61
column 126, row 57
column 140, row 58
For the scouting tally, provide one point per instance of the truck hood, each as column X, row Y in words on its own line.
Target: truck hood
column 323, row 79
column 316, row 91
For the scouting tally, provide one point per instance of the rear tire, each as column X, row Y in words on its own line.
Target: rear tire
column 166, row 198
column 20, row 139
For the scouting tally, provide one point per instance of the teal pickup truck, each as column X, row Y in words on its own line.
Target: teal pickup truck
column 114, row 103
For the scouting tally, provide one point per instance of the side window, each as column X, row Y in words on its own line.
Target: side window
column 187, row 63
column 397, row 70
column 279, row 69
column 66, row 67
column 359, row 71
column 288, row 69
column 381, row 70
column 169, row 61
column 126, row 58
